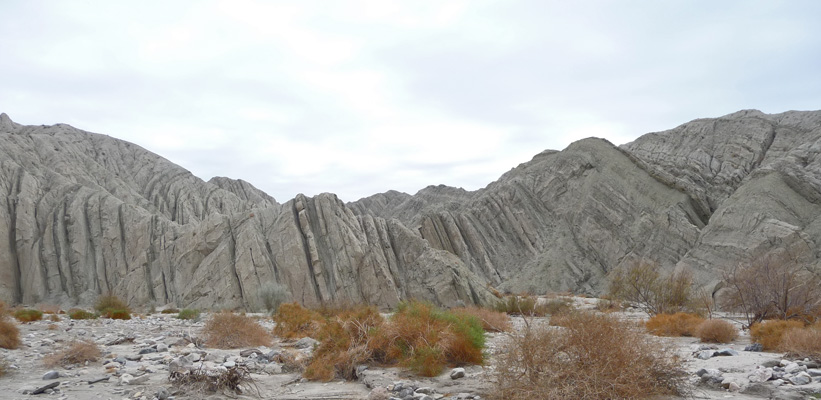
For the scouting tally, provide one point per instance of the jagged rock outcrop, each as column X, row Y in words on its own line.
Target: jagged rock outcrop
column 85, row 214
column 702, row 196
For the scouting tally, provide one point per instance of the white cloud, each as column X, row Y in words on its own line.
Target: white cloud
column 359, row 97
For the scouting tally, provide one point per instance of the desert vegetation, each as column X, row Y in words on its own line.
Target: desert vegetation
column 769, row 333
column 803, row 342
column 492, row 321
column 78, row 352
column 111, row 306
column 188, row 314
column 776, row 285
column 678, row 324
column 9, row 333
column 716, row 331
column 28, row 315
column 592, row 356
column 226, row 330
column 274, row 295
column 77, row 313
column 644, row 285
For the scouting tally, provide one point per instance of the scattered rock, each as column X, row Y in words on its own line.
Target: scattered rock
column 43, row 389
column 51, row 375
column 754, row 347
column 802, row 378
column 457, row 373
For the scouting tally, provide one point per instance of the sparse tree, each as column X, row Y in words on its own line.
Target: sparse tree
column 776, row 285
column 644, row 285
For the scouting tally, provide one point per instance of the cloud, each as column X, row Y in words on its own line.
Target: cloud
column 362, row 97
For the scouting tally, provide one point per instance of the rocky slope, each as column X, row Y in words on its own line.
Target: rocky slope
column 85, row 214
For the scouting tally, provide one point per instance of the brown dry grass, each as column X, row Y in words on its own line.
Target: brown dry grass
column 200, row 380
column 804, row 342
column 425, row 338
column 226, row 330
column 492, row 321
column 678, row 324
column 596, row 356
column 77, row 353
column 716, row 331
column 418, row 336
column 769, row 333
column 294, row 321
column 344, row 344
column 9, row 334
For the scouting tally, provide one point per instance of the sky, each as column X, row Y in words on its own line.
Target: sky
column 361, row 97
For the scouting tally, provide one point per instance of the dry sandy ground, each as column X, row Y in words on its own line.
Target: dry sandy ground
column 151, row 370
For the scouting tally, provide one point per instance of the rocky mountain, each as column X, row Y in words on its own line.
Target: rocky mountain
column 86, row 214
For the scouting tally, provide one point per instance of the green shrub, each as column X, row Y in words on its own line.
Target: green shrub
column 189, row 313
column 117, row 314
column 76, row 313
column 170, row 311
column 274, row 295
column 28, row 315
column 111, row 306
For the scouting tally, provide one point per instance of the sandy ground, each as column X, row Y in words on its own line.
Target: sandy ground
column 151, row 370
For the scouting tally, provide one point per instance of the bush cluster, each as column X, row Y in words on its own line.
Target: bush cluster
column 770, row 333
column 294, row 321
column 77, row 313
column 804, row 342
column 226, row 330
column 189, row 314
column 644, row 285
column 593, row 356
column 9, row 334
column 77, row 353
column 716, row 331
column 492, row 321
column 678, row 324
column 28, row 315
column 111, row 306
column 418, row 336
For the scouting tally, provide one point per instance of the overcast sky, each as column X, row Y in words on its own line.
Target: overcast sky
column 360, row 97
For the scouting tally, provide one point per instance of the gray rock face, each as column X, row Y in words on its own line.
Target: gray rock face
column 85, row 214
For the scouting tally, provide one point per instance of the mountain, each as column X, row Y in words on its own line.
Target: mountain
column 86, row 214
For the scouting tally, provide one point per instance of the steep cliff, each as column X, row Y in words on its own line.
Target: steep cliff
column 85, row 214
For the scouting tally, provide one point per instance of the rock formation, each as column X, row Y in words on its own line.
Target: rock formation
column 86, row 214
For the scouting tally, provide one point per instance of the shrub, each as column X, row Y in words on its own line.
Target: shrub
column 803, row 343
column 678, row 324
column 776, row 285
column 226, row 330
column 76, row 313
column 202, row 380
column 492, row 321
column 294, row 321
column 54, row 318
column 108, row 302
column 716, row 331
column 425, row 339
column 170, row 311
column 189, row 313
column 28, row 315
column 344, row 344
column 644, row 285
column 596, row 356
column 9, row 334
column 116, row 314
column 521, row 305
column 274, row 295
column 769, row 333
column 77, row 353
